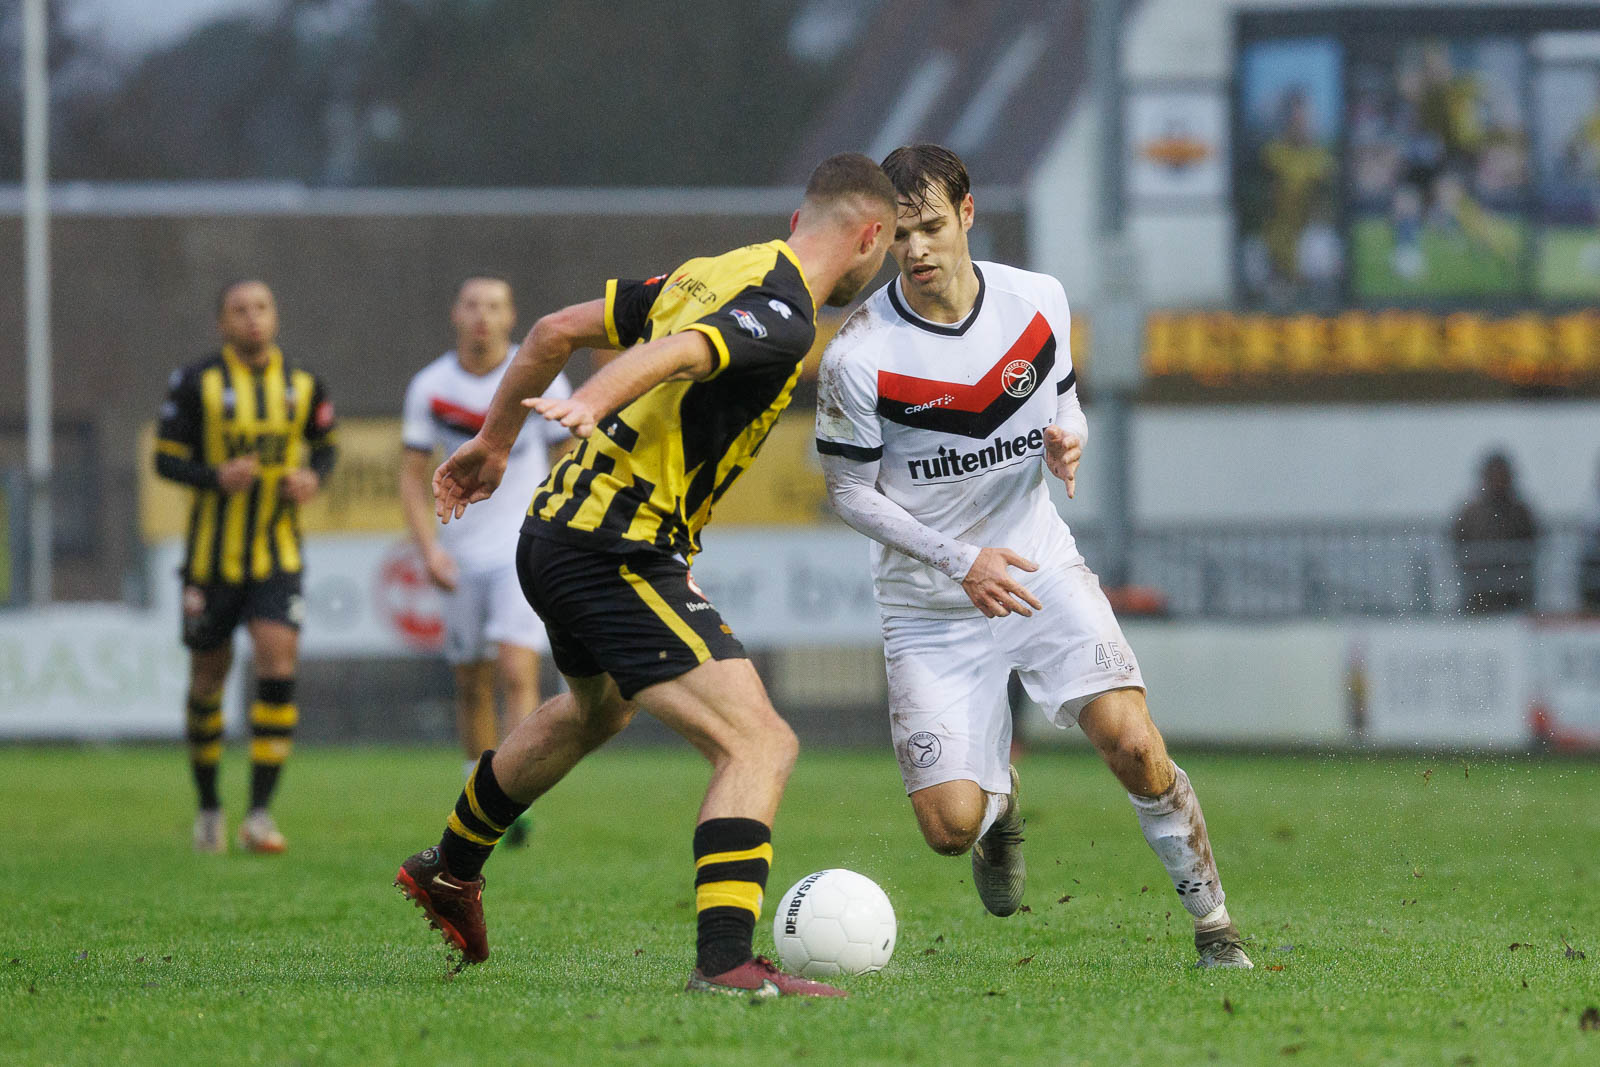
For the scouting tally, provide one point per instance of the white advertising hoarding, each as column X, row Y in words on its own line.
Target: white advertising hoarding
column 1566, row 655
column 1452, row 684
column 368, row 595
column 92, row 670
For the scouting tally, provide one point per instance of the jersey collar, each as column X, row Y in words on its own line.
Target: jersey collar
column 274, row 356
column 954, row 329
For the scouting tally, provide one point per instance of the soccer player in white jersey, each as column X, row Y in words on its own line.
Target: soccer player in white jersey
column 942, row 404
column 492, row 638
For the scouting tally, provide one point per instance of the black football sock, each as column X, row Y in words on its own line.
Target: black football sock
column 273, row 717
column 731, row 860
column 204, row 732
column 483, row 813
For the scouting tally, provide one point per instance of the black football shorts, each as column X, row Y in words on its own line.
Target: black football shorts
column 212, row 612
column 635, row 615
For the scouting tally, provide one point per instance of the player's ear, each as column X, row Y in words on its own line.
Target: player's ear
column 869, row 236
column 794, row 220
column 966, row 212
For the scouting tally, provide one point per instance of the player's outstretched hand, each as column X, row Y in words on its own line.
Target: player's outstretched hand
column 576, row 415
column 468, row 476
column 1062, row 450
column 991, row 588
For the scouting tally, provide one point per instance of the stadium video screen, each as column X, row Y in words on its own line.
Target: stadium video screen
column 1392, row 158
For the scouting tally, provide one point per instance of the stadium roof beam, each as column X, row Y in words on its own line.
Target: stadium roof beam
column 178, row 199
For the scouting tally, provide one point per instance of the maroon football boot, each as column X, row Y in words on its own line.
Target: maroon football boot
column 759, row 977
column 453, row 907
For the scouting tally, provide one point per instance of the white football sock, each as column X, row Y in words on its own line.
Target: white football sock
column 1176, row 830
column 994, row 807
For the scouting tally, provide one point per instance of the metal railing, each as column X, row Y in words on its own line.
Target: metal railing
column 1256, row 571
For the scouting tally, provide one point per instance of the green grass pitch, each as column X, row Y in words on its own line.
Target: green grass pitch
column 1412, row 910
column 1455, row 265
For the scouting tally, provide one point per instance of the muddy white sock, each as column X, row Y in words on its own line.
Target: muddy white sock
column 993, row 809
column 1176, row 830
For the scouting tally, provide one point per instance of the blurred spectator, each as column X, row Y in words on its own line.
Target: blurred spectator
column 1496, row 539
column 1589, row 562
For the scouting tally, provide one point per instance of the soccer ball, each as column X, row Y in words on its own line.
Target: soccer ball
column 834, row 922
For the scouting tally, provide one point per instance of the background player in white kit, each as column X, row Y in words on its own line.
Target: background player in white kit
column 492, row 637
column 941, row 404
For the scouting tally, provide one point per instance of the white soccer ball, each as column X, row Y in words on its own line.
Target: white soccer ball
column 834, row 922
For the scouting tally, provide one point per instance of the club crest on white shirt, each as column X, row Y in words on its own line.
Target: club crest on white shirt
column 1018, row 378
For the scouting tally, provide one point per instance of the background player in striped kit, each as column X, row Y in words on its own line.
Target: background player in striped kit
column 253, row 436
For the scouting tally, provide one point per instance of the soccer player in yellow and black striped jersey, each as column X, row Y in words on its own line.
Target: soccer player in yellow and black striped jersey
column 714, row 349
column 253, row 436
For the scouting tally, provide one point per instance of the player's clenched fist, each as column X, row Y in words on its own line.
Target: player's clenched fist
column 238, row 474
column 1062, row 450
column 299, row 486
column 991, row 588
column 471, row 474
column 571, row 412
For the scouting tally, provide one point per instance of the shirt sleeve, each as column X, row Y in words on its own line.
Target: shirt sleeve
column 323, row 425
column 854, row 494
column 322, row 430
column 179, row 455
column 847, row 407
column 554, row 432
column 178, row 432
column 628, row 305
column 758, row 328
column 1069, row 413
column 416, row 424
column 1059, row 316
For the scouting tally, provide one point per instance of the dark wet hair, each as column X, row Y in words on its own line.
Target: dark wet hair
column 222, row 294
column 918, row 170
column 850, row 174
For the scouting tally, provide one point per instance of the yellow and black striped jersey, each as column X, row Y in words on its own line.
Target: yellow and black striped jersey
column 219, row 409
column 652, row 472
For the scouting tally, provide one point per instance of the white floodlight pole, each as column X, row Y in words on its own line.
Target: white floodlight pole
column 36, row 269
column 1118, row 313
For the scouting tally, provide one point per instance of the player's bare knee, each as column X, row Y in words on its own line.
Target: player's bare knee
column 598, row 719
column 785, row 745
column 609, row 721
column 948, row 836
column 759, row 739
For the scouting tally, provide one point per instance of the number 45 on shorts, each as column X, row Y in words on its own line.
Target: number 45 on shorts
column 1108, row 655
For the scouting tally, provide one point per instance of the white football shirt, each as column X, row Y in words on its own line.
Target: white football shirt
column 445, row 406
column 956, row 415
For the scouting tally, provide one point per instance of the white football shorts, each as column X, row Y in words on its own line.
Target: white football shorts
column 488, row 609
column 949, row 716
